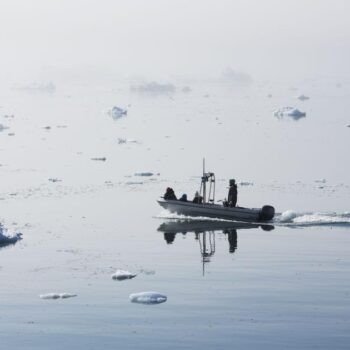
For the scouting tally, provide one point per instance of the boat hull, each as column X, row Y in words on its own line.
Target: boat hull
column 219, row 211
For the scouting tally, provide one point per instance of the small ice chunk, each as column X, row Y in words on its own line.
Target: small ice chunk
column 6, row 238
column 123, row 140
column 144, row 173
column 303, row 97
column 54, row 179
column 117, row 112
column 289, row 112
column 53, row 296
column 147, row 298
column 121, row 275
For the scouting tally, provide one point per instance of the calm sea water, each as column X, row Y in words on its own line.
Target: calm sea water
column 228, row 286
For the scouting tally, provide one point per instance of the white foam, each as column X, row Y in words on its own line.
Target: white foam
column 291, row 217
column 147, row 298
column 121, row 275
column 53, row 296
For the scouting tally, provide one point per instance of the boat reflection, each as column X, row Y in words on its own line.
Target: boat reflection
column 205, row 234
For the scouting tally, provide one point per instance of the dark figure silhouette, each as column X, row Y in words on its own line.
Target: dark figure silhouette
column 197, row 198
column 232, row 194
column 183, row 198
column 169, row 237
column 169, row 194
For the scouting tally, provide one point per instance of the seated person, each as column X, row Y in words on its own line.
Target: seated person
column 197, row 198
column 169, row 194
column 183, row 198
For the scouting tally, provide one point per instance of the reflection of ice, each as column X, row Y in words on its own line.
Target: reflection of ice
column 147, row 298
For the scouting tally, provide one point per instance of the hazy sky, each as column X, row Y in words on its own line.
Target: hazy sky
column 161, row 38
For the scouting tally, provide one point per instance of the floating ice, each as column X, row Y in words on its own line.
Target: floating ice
column 289, row 112
column 148, row 298
column 57, row 296
column 6, row 238
column 144, row 173
column 122, row 141
column 122, row 275
column 154, row 88
column 303, row 97
column 117, row 112
column 54, row 180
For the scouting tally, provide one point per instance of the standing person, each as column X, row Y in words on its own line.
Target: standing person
column 232, row 194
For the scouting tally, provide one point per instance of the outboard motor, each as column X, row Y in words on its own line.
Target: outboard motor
column 267, row 213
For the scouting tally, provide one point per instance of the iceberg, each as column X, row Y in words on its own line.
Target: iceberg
column 121, row 275
column 147, row 298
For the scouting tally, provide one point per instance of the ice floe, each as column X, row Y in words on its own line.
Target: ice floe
column 7, row 238
column 303, row 97
column 289, row 112
column 144, row 173
column 117, row 112
column 121, row 275
column 57, row 296
column 147, row 298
